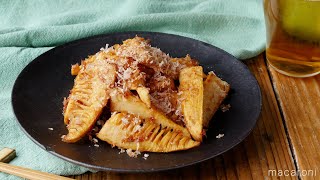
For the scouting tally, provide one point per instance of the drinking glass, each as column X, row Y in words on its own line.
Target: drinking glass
column 293, row 36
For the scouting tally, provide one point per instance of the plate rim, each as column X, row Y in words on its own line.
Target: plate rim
column 119, row 170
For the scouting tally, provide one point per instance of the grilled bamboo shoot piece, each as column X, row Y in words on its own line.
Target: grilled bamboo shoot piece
column 191, row 90
column 131, row 104
column 214, row 92
column 88, row 97
column 129, row 132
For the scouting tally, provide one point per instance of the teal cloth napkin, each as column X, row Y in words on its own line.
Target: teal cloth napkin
column 29, row 28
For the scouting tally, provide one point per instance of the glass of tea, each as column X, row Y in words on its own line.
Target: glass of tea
column 293, row 36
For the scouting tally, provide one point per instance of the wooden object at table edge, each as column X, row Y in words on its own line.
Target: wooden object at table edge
column 7, row 154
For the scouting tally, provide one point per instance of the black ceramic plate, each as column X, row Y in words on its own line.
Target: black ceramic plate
column 39, row 90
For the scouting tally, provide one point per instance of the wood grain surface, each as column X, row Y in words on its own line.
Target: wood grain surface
column 266, row 148
column 300, row 102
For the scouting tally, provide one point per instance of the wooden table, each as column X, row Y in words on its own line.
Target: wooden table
column 285, row 141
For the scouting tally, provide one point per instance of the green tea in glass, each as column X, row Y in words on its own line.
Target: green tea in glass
column 293, row 36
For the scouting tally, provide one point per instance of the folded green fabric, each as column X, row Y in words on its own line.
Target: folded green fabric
column 29, row 28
